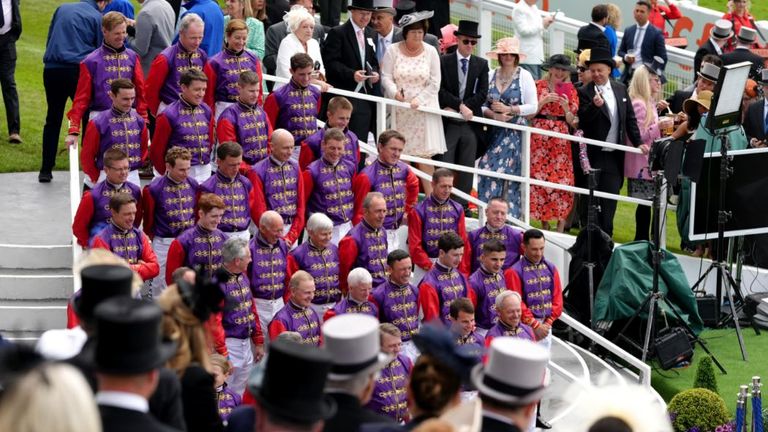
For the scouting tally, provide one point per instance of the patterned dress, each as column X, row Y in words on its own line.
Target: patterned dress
column 504, row 150
column 551, row 158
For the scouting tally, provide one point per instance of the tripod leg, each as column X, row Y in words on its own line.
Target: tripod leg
column 730, row 284
column 702, row 278
column 649, row 327
column 635, row 315
column 695, row 338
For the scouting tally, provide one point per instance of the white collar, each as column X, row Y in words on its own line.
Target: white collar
column 598, row 26
column 606, row 86
column 389, row 35
column 643, row 27
column 459, row 56
column 355, row 27
column 498, row 417
column 129, row 401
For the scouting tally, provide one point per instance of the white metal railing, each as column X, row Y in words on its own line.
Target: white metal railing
column 75, row 187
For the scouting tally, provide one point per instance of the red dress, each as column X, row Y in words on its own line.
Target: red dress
column 551, row 159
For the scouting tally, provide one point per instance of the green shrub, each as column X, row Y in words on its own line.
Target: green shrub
column 705, row 375
column 699, row 408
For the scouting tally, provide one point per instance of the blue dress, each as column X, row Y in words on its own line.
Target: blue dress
column 504, row 153
column 613, row 43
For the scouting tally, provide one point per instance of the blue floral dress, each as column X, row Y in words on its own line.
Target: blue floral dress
column 504, row 153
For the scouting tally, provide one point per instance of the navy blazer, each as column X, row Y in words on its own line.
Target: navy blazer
column 754, row 121
column 653, row 45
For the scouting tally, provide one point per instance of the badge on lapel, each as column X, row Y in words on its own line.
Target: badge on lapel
column 373, row 45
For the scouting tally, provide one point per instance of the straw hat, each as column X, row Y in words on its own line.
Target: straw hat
column 507, row 45
column 702, row 98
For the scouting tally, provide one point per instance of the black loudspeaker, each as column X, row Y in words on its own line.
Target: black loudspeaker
column 672, row 347
column 707, row 306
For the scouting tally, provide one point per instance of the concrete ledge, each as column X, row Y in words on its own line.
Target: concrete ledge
column 42, row 284
column 17, row 256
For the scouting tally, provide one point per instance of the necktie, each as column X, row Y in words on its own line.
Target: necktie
column 766, row 121
column 382, row 49
column 361, row 46
column 464, row 66
column 639, row 37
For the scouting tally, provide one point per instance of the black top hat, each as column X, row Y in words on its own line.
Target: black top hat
column 205, row 296
column 294, row 382
column 129, row 337
column 656, row 67
column 366, row 5
column 601, row 54
column 101, row 282
column 467, row 28
column 559, row 61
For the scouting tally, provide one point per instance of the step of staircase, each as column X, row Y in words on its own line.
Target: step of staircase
column 36, row 284
column 32, row 315
column 15, row 256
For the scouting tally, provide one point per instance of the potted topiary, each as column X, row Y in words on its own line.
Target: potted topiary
column 697, row 409
column 705, row 375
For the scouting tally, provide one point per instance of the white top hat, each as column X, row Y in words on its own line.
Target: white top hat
column 384, row 6
column 515, row 372
column 354, row 344
column 747, row 35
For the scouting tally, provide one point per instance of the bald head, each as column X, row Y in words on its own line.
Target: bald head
column 282, row 144
column 271, row 226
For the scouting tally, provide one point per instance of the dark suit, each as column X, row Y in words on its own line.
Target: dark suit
column 754, row 123
column 350, row 415
column 114, row 419
column 8, row 69
column 342, row 58
column 201, row 410
column 492, row 425
column 653, row 45
column 707, row 48
column 677, row 100
column 745, row 55
column 275, row 34
column 596, row 123
column 590, row 36
column 460, row 136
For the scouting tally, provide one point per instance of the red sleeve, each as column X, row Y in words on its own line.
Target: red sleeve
column 159, row 143
column 211, row 88
column 275, row 328
column 418, row 254
column 149, row 268
column 298, row 222
column 411, row 190
column 330, row 313
column 248, row 398
column 99, row 243
column 72, row 319
column 82, row 100
column 271, row 109
column 672, row 11
column 82, row 219
column 155, row 82
column 347, row 254
column 139, row 211
column 212, row 132
column 471, row 294
column 306, row 156
column 216, row 332
column 88, row 154
column 138, row 82
column 225, row 131
column 465, row 266
column 258, row 334
column 361, row 185
column 309, row 185
column 258, row 201
column 513, row 283
column 291, row 267
column 557, row 299
column 430, row 304
column 176, row 255
column 144, row 144
column 148, row 205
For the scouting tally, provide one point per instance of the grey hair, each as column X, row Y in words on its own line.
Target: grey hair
column 296, row 16
column 289, row 336
column 189, row 19
column 233, row 248
column 319, row 222
column 503, row 296
column 358, row 276
column 269, row 216
column 353, row 385
column 370, row 197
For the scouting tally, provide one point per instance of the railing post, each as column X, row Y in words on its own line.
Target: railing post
column 662, row 215
column 526, row 173
column 486, row 28
column 556, row 40
column 381, row 118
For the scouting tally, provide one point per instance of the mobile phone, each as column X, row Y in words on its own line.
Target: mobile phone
column 563, row 88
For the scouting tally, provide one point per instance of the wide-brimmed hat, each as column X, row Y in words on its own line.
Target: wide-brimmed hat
column 656, row 67
column 205, row 296
column 414, row 17
column 709, row 71
column 762, row 79
column 507, row 45
column 101, row 282
column 292, row 384
column 129, row 338
column 601, row 54
column 384, row 6
column 354, row 344
column 747, row 35
column 703, row 98
column 467, row 28
column 559, row 61
column 366, row 5
column 515, row 372
column 723, row 29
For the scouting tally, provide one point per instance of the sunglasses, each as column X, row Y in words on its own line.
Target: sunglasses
column 469, row 42
column 581, row 69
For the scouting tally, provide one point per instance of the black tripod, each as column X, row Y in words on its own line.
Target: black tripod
column 653, row 297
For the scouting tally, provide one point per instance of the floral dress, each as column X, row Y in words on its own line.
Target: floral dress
column 504, row 153
column 551, row 158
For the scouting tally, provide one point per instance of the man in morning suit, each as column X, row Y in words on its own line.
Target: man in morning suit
column 721, row 33
column 592, row 34
column 756, row 121
column 745, row 40
column 641, row 42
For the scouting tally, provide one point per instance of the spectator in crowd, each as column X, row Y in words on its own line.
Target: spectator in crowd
column 188, row 123
column 756, row 119
column 393, row 179
column 339, row 112
column 398, row 301
column 495, row 228
column 234, row 188
column 153, row 31
column 487, row 282
column 365, row 245
column 430, row 219
column 738, row 14
column 611, row 25
column 125, row 240
column 320, row 258
column 350, row 58
column 745, row 40
column 582, row 70
column 706, row 78
column 227, row 399
column 593, row 34
column 269, row 274
column 226, row 67
column 296, row 315
column 449, row 43
column 508, row 311
column 279, row 30
column 328, row 186
column 164, row 83
column 463, row 89
column 359, row 286
column 411, row 74
column 10, row 31
column 441, row 17
column 511, row 98
column 279, row 186
column 169, row 208
column 529, row 28
column 661, row 13
column 242, row 9
column 357, row 359
column 551, row 158
column 259, row 9
column 641, row 42
column 75, row 32
column 120, row 127
column 245, row 121
column 301, row 25
column 93, row 212
column 614, row 124
column 294, row 106
column 644, row 91
column 390, row 391
column 330, row 12
column 213, row 17
column 383, row 21
column 123, row 7
column 443, row 283
column 719, row 37
column 199, row 246
column 462, row 323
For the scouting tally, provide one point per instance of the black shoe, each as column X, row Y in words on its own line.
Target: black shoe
column 44, row 177
column 541, row 424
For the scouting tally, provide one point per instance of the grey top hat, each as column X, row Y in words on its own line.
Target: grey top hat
column 354, row 345
column 747, row 35
column 709, row 72
column 723, row 29
column 415, row 17
column 384, row 6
